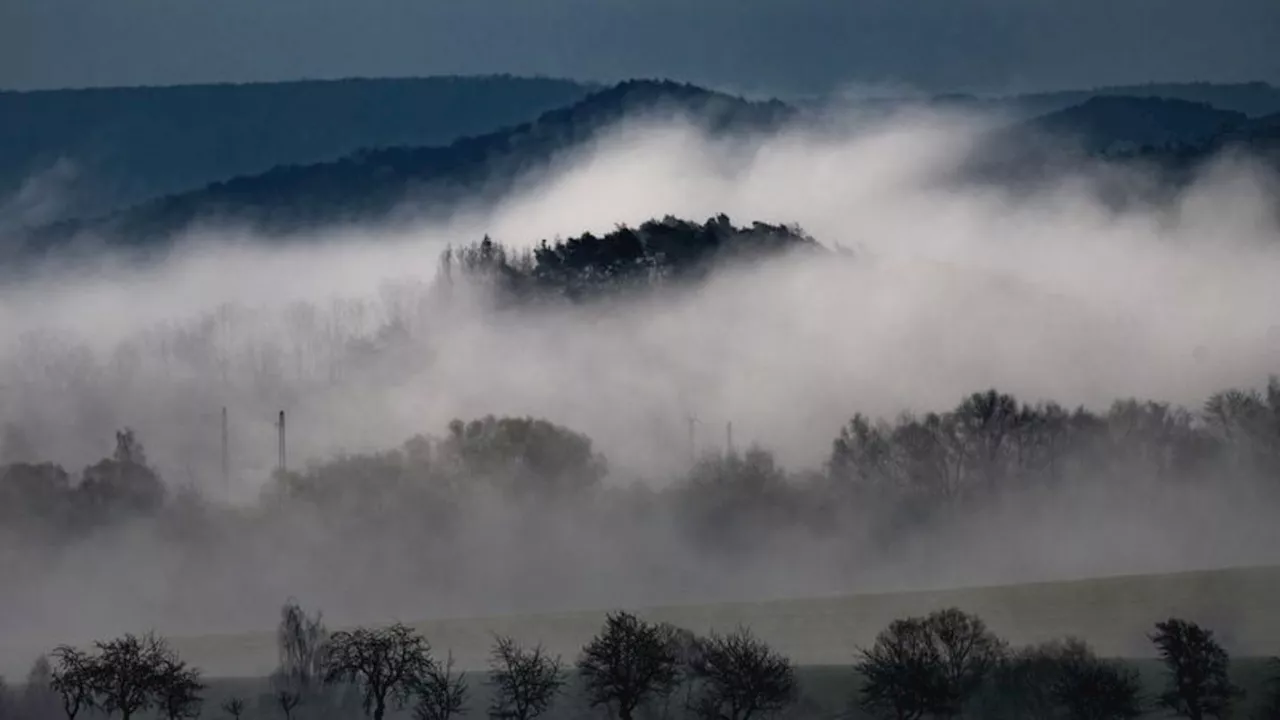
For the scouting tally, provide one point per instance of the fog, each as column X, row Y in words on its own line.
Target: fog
column 948, row 288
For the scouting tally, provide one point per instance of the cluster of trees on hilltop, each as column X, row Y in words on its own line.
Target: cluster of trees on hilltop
column 657, row 254
column 946, row 664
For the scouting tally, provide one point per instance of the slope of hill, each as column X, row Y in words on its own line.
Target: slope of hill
column 371, row 184
column 1114, row 614
column 1108, row 124
column 1254, row 99
column 126, row 145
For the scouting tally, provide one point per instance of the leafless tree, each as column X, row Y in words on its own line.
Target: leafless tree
column 902, row 672
column 441, row 694
column 178, row 689
column 286, row 698
column 629, row 662
column 127, row 673
column 234, row 707
column 525, row 681
column 300, row 641
column 968, row 653
column 1089, row 688
column 739, row 677
column 39, row 701
column 386, row 664
column 73, row 678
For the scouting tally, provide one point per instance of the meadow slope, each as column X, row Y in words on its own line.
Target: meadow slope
column 1112, row 613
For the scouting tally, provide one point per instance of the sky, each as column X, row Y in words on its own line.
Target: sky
column 781, row 47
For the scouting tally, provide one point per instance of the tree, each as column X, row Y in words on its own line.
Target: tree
column 39, row 701
column 1270, row 709
column 300, row 641
column 739, row 677
column 967, row 651
column 386, row 664
column 127, row 673
column 1199, row 681
column 1088, row 688
column 234, row 707
column 441, row 694
column 178, row 689
column 627, row 663
column 286, row 698
column 902, row 672
column 931, row 665
column 525, row 681
column 73, row 678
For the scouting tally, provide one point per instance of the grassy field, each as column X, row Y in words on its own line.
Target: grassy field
column 1114, row 614
column 826, row 693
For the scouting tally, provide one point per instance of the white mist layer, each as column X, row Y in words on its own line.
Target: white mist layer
column 950, row 290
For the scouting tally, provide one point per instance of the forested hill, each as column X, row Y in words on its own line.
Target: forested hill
column 659, row 253
column 371, row 184
column 121, row 146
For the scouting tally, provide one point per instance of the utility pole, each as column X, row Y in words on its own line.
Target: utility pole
column 693, row 438
column 282, row 465
column 226, row 454
column 728, row 438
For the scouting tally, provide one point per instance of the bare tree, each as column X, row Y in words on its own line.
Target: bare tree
column 1199, row 680
column 1088, row 688
column 1270, row 708
column 627, row 663
column 300, row 641
column 178, row 689
column 39, row 701
column 968, row 653
column 386, row 664
column 127, row 672
column 286, row 698
column 525, row 681
column 739, row 677
column 931, row 665
column 441, row 694
column 234, row 707
column 902, row 672
column 73, row 678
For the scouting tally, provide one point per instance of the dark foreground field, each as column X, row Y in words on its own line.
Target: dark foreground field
column 827, row 691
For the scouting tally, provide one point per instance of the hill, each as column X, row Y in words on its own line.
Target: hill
column 1254, row 99
column 371, row 184
column 1110, row 124
column 1113, row 613
column 121, row 146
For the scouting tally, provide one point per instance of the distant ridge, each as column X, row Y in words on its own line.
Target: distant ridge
column 370, row 184
column 126, row 145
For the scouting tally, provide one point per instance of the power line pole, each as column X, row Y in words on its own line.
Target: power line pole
column 282, row 464
column 728, row 438
column 226, row 454
column 693, row 438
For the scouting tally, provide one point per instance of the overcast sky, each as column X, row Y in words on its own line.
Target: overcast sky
column 776, row 46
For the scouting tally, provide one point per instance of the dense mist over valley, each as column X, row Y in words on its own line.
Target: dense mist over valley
column 920, row 290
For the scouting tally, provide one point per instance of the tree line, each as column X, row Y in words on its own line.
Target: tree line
column 915, row 465
column 947, row 664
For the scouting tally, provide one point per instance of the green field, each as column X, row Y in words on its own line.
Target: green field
column 1241, row 605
